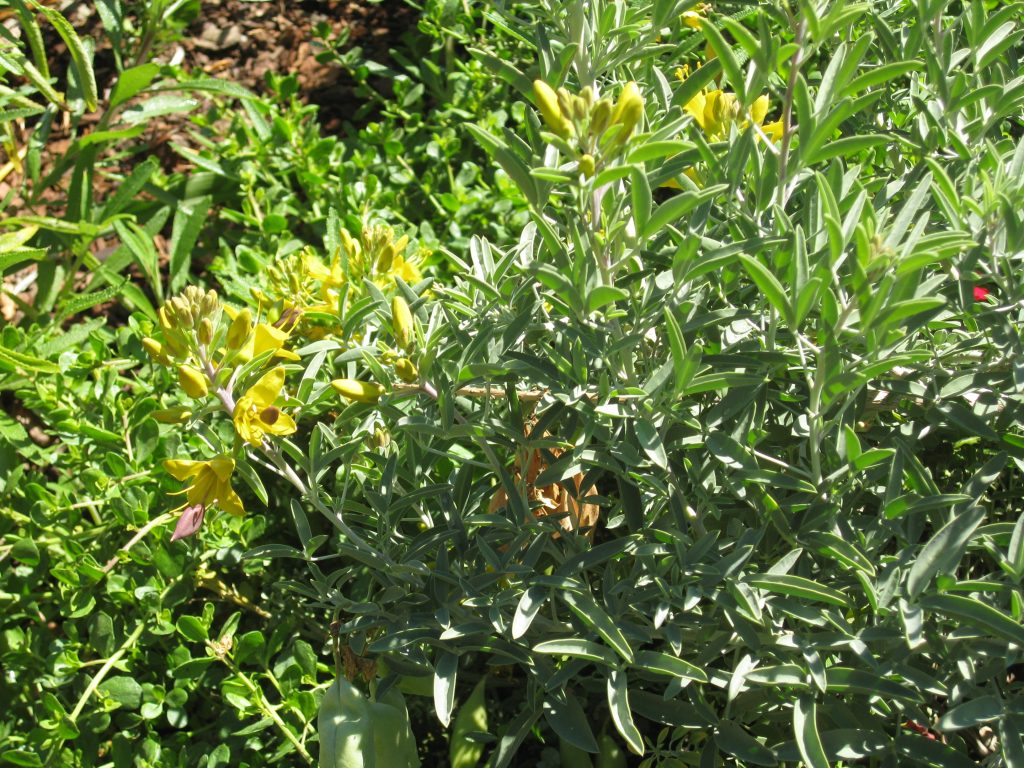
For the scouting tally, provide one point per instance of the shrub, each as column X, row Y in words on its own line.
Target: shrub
column 712, row 460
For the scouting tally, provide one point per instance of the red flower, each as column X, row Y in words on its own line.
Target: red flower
column 981, row 293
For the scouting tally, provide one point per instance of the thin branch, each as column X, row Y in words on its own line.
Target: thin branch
column 787, row 112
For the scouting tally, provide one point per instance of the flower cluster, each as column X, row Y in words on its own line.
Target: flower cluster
column 717, row 111
column 593, row 130
column 208, row 343
column 305, row 290
column 228, row 360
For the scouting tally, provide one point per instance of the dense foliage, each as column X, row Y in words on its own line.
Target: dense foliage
column 631, row 383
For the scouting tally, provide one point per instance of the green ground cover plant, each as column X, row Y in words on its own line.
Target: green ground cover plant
column 634, row 383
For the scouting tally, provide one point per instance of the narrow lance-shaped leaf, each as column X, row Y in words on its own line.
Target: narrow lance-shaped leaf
column 770, row 286
column 622, row 716
column 80, row 55
column 805, row 727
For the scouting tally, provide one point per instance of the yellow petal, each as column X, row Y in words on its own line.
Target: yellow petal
column 265, row 391
column 243, row 418
column 228, row 500
column 268, row 337
column 317, row 270
column 182, row 469
column 202, row 490
column 759, row 109
column 710, row 122
column 222, row 467
column 406, row 270
column 695, row 107
column 774, row 130
column 284, row 425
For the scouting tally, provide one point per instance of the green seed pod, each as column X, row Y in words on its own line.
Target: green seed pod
column 587, row 166
column 402, row 323
column 572, row 756
column 464, row 752
column 358, row 391
column 192, row 381
column 548, row 104
column 406, row 370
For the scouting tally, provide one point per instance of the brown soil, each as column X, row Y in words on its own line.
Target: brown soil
column 241, row 41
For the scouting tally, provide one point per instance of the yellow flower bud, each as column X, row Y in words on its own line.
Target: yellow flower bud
column 165, row 321
column 600, row 117
column 692, row 19
column 174, row 345
column 177, row 415
column 205, row 332
column 547, row 103
column 347, row 242
column 406, row 370
column 359, row 391
column 155, row 350
column 402, row 322
column 209, row 302
column 565, row 103
column 380, row 438
column 587, row 166
column 628, row 111
column 192, row 381
column 386, row 258
column 580, row 108
column 401, row 243
column 238, row 332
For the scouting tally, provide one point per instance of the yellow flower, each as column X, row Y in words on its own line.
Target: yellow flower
column 400, row 267
column 717, row 111
column 405, row 269
column 262, row 338
column 211, row 482
column 255, row 414
column 692, row 19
